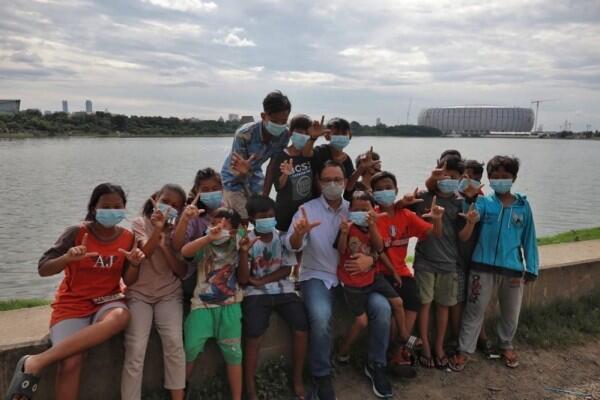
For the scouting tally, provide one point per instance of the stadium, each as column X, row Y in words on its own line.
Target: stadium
column 478, row 120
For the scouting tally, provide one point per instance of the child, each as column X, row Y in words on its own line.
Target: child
column 265, row 267
column 436, row 261
column 360, row 235
column 89, row 307
column 156, row 295
column 253, row 144
column 368, row 164
column 216, row 311
column 396, row 226
column 507, row 238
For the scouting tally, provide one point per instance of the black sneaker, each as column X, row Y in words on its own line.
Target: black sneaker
column 381, row 385
column 322, row 388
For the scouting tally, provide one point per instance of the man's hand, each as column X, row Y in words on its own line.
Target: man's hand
column 358, row 263
column 302, row 226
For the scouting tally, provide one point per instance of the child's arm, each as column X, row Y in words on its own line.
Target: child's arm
column 436, row 214
column 472, row 217
column 178, row 267
column 342, row 242
column 374, row 235
column 314, row 131
column 133, row 259
column 436, row 175
column 191, row 248
column 529, row 243
column 274, row 276
column 243, row 272
column 189, row 213
column 388, row 264
column 158, row 220
column 287, row 168
column 52, row 263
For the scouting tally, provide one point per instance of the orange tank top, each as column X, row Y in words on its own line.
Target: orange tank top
column 91, row 278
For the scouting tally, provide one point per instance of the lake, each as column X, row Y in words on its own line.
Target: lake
column 46, row 183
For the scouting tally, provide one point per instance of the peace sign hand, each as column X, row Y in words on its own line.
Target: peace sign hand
column 240, row 164
column 302, row 226
column 80, row 252
column 436, row 212
column 317, row 129
column 246, row 244
column 135, row 256
column 472, row 216
column 471, row 191
column 192, row 211
column 287, row 167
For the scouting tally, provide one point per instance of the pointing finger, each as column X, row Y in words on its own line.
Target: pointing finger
column 304, row 213
column 434, row 202
column 84, row 240
column 322, row 120
column 314, row 224
column 92, row 254
column 195, row 201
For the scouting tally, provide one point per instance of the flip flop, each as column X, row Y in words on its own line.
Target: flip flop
column 22, row 384
column 510, row 359
column 441, row 362
column 458, row 362
column 426, row 362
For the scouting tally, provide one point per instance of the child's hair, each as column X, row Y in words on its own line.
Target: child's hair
column 276, row 102
column 382, row 175
column 475, row 165
column 450, row 152
column 148, row 208
column 453, row 163
column 259, row 203
column 300, row 121
column 363, row 195
column 510, row 164
column 201, row 175
column 229, row 214
column 99, row 191
column 333, row 163
column 339, row 124
column 360, row 157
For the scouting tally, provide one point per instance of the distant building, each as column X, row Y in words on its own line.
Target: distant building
column 233, row 117
column 88, row 107
column 246, row 118
column 378, row 121
column 10, row 106
column 47, row 112
column 65, row 106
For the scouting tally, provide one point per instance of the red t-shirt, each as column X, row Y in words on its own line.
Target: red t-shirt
column 395, row 232
column 91, row 278
column 358, row 242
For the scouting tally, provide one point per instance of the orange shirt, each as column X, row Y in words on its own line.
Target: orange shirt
column 395, row 232
column 90, row 278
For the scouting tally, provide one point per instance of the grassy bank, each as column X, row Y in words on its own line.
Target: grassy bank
column 14, row 304
column 571, row 236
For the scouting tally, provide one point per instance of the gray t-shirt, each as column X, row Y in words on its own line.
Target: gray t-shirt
column 435, row 254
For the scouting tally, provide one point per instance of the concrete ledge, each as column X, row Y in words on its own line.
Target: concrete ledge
column 568, row 270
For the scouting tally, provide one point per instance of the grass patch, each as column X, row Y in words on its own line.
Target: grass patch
column 15, row 304
column 571, row 236
column 563, row 323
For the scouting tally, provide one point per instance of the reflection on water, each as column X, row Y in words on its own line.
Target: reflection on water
column 46, row 183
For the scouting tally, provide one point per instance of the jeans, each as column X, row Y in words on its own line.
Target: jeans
column 318, row 301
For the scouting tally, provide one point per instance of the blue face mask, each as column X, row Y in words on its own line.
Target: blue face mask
column 448, row 186
column 212, row 200
column 299, row 140
column 169, row 212
column 358, row 217
column 265, row 225
column 339, row 141
column 109, row 217
column 275, row 129
column 385, row 197
column 464, row 184
column 501, row 186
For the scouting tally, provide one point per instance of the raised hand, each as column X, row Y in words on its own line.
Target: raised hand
column 158, row 218
column 472, row 216
column 411, row 198
column 471, row 191
column 135, row 256
column 317, row 129
column 214, row 233
column 439, row 174
column 367, row 163
column 192, row 211
column 246, row 244
column 302, row 226
column 436, row 212
column 240, row 164
column 80, row 252
column 287, row 167
column 372, row 216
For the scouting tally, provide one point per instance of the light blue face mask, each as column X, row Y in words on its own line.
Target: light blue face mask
column 275, row 129
column 109, row 217
column 212, row 200
column 501, row 186
column 464, row 184
column 299, row 140
column 339, row 141
column 265, row 225
column 358, row 217
column 448, row 186
column 169, row 212
column 384, row 197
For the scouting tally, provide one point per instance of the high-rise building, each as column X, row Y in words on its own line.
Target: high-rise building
column 233, row 117
column 65, row 105
column 10, row 106
column 378, row 121
column 88, row 106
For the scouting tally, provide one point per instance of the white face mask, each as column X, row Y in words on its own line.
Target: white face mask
column 223, row 237
column 332, row 191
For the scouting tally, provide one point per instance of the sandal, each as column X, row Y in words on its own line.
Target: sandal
column 441, row 362
column 426, row 362
column 22, row 384
column 458, row 362
column 401, row 364
column 510, row 358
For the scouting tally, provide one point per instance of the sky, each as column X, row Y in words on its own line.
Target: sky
column 357, row 59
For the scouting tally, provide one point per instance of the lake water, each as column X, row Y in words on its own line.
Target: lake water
column 45, row 183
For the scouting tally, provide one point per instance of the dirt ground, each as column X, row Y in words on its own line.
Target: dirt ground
column 576, row 369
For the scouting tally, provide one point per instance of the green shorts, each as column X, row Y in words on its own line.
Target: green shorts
column 222, row 323
column 436, row 286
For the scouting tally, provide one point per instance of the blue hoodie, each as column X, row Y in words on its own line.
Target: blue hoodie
column 507, row 236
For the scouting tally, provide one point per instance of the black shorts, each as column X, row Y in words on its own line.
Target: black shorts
column 357, row 297
column 256, row 312
column 408, row 292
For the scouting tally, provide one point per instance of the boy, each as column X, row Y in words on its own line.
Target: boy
column 216, row 311
column 373, row 161
column 507, row 238
column 253, row 144
column 264, row 266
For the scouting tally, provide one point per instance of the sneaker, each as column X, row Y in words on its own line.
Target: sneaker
column 343, row 358
column 381, row 385
column 322, row 388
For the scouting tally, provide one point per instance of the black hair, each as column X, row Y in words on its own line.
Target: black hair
column 99, row 191
column 148, row 208
column 382, row 175
column 453, row 163
column 259, row 203
column 375, row 156
column 363, row 195
column 276, row 102
column 510, row 164
column 475, row 165
column 229, row 214
column 201, row 175
column 339, row 124
column 333, row 163
column 450, row 152
column 300, row 121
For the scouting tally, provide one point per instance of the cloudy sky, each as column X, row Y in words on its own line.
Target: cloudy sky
column 358, row 59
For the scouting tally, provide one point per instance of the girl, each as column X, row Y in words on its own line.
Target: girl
column 88, row 308
column 157, row 295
